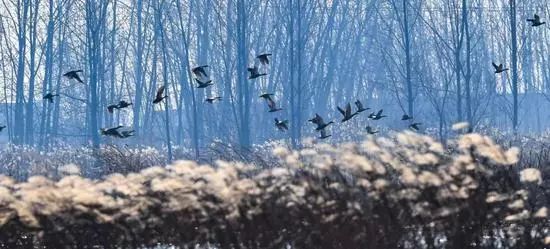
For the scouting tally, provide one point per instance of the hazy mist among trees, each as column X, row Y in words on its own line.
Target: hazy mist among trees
column 429, row 59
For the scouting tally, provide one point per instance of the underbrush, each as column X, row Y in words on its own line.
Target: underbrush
column 406, row 192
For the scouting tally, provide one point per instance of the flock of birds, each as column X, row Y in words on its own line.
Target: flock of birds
column 203, row 81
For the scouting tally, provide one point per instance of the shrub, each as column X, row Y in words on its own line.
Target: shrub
column 406, row 192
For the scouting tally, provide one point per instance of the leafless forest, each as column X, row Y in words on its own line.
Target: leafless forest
column 274, row 124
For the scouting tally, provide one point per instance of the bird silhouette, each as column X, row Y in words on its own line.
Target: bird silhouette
column 318, row 120
column 415, row 126
column 360, row 107
column 160, row 95
column 263, row 58
column 370, row 130
column 49, row 97
column 112, row 132
column 273, row 106
column 535, row 22
column 270, row 102
column 199, row 71
column 254, row 73
column 282, row 125
column 2, row 128
column 499, row 68
column 204, row 84
column 211, row 100
column 121, row 105
column 346, row 113
column 377, row 116
column 324, row 134
column 74, row 75
column 406, row 117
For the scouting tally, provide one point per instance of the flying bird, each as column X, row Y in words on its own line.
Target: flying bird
column 378, row 115
column 282, row 125
column 535, row 22
column 49, row 97
column 121, row 105
column 360, row 107
column 211, row 100
column 370, row 130
column 254, row 73
column 499, row 68
column 273, row 106
column 2, row 128
column 346, row 113
column 406, row 117
column 113, row 132
column 270, row 102
column 263, row 58
column 318, row 120
column 74, row 75
column 199, row 71
column 324, row 135
column 415, row 126
column 160, row 95
column 204, row 84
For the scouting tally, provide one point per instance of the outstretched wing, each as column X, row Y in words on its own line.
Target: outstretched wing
column 319, row 119
column 341, row 111
column 348, row 109
column 359, row 105
column 380, row 112
column 495, row 66
column 271, row 104
column 160, row 93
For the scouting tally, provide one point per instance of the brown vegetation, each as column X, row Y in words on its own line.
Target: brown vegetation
column 406, row 192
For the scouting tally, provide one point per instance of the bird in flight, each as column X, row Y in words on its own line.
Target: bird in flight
column 212, row 99
column 263, row 58
column 2, row 128
column 203, row 84
column 112, row 132
column 360, row 107
column 378, row 115
column 270, row 102
column 371, row 130
column 406, row 117
column 499, row 68
column 160, row 95
column 415, row 126
column 254, row 73
column 49, row 97
column 121, row 105
column 320, row 122
column 282, row 125
column 346, row 113
column 200, row 71
column 74, row 75
column 535, row 22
